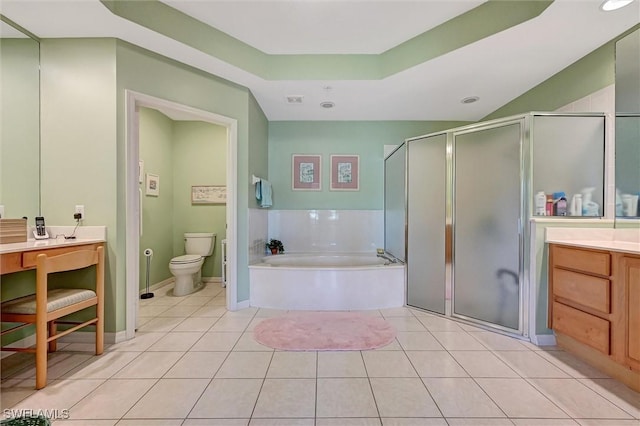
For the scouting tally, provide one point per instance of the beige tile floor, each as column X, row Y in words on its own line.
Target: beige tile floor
column 194, row 363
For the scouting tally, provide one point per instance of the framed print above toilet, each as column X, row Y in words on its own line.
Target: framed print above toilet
column 208, row 194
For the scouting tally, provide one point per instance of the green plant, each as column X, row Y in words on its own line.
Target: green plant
column 275, row 245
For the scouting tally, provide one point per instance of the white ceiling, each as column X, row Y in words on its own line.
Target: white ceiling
column 498, row 68
column 296, row 27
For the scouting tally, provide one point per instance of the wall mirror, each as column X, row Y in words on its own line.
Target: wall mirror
column 20, row 118
column 628, row 126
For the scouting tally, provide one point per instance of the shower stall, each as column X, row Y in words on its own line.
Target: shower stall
column 466, row 200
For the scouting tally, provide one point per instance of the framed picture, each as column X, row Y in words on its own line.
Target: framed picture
column 344, row 172
column 305, row 173
column 208, row 194
column 153, row 185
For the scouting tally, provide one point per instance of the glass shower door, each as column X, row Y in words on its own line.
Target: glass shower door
column 486, row 220
column 426, row 209
column 395, row 213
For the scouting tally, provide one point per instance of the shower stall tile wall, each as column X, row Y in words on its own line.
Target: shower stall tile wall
column 344, row 231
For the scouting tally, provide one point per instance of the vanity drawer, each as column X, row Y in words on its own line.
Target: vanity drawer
column 587, row 290
column 29, row 257
column 593, row 262
column 583, row 327
column 10, row 262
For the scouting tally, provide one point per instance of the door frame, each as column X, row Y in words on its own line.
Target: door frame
column 134, row 100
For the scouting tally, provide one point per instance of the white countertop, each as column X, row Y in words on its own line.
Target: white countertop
column 30, row 245
column 84, row 235
column 622, row 240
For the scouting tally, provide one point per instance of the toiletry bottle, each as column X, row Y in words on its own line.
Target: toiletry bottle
column 576, row 205
column 549, row 205
column 559, row 204
column 619, row 207
column 541, row 201
column 589, row 207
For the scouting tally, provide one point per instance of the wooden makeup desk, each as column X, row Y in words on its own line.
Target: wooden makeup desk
column 17, row 257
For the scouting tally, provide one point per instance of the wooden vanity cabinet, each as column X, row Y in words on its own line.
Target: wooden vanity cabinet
column 594, row 308
column 631, row 275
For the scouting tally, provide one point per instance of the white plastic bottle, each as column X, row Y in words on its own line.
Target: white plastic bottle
column 576, row 205
column 540, row 203
column 589, row 207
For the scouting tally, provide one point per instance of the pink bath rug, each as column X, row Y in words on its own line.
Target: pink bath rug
column 324, row 331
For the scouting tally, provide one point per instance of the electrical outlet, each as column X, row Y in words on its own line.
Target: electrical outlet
column 80, row 210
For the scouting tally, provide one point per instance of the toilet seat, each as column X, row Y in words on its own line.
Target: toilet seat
column 186, row 259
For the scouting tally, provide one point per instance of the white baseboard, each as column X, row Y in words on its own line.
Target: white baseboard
column 244, row 304
column 171, row 280
column 543, row 339
column 156, row 286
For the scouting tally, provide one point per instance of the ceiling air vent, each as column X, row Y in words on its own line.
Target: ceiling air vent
column 294, row 99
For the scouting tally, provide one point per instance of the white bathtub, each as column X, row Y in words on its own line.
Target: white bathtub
column 331, row 281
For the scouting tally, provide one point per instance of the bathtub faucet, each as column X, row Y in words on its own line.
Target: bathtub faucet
column 390, row 259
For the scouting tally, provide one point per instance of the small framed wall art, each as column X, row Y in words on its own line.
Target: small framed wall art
column 208, row 194
column 305, row 173
column 153, row 185
column 345, row 173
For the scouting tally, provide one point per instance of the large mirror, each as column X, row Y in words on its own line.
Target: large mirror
column 19, row 122
column 628, row 126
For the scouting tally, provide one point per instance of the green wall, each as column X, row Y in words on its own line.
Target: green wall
column 258, row 147
column 363, row 138
column 199, row 158
column 20, row 129
column 84, row 142
column 156, row 149
column 145, row 72
column 182, row 153
column 587, row 75
column 79, row 150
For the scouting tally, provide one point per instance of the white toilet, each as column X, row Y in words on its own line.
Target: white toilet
column 187, row 269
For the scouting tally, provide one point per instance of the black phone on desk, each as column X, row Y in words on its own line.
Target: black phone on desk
column 40, row 232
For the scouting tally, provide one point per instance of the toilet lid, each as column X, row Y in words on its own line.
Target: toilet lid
column 187, row 258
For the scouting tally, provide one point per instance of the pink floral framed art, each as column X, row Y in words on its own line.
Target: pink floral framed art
column 345, row 173
column 305, row 173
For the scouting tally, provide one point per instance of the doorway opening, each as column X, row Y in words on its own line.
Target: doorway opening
column 135, row 101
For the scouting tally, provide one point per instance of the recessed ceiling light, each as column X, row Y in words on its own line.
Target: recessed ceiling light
column 294, row 99
column 470, row 100
column 327, row 104
column 610, row 5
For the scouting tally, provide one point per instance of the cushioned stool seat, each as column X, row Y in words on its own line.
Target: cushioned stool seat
column 56, row 299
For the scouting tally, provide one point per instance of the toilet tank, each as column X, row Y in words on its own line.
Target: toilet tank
column 201, row 243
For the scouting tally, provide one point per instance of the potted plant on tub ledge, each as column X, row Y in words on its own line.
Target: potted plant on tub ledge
column 275, row 246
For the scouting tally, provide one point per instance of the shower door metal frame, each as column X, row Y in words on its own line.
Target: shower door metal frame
column 447, row 225
column 527, row 265
column 406, row 200
column 524, row 182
